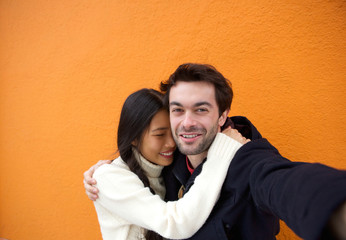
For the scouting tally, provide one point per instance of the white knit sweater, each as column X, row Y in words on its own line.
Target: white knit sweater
column 125, row 207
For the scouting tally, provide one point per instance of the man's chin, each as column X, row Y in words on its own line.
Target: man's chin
column 189, row 150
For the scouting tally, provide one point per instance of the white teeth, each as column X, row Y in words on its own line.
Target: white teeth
column 167, row 154
column 189, row 136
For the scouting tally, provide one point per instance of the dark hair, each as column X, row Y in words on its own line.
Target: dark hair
column 137, row 112
column 193, row 72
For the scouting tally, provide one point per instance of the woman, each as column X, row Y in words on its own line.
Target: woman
column 131, row 188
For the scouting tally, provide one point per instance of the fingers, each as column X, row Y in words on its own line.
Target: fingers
column 90, row 191
column 233, row 133
column 90, row 172
column 88, row 176
column 88, row 181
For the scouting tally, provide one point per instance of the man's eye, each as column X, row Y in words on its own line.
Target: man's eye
column 176, row 110
column 202, row 110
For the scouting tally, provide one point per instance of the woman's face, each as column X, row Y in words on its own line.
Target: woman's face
column 157, row 144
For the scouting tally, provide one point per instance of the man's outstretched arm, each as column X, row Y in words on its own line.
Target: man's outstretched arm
column 309, row 197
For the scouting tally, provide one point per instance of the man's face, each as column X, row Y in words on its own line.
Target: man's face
column 194, row 116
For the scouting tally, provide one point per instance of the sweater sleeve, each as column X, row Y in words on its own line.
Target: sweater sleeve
column 123, row 194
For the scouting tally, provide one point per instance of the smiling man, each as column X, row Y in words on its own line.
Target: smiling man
column 195, row 119
column 261, row 186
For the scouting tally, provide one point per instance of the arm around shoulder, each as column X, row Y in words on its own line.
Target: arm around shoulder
column 122, row 193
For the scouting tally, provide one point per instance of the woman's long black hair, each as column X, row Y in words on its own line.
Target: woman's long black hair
column 137, row 112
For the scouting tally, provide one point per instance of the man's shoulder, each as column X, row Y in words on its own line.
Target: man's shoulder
column 244, row 126
column 240, row 120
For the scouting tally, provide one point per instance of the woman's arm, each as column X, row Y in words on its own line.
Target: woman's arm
column 122, row 193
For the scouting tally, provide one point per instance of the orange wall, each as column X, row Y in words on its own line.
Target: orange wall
column 67, row 66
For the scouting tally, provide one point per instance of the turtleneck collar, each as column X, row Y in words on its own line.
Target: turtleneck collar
column 151, row 169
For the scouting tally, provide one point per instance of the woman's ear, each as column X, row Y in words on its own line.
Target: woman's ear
column 223, row 118
column 134, row 142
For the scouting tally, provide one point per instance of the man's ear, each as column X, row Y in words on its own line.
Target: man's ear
column 223, row 117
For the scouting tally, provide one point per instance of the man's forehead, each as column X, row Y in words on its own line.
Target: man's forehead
column 197, row 84
column 194, row 87
column 192, row 93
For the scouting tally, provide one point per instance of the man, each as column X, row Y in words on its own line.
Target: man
column 259, row 188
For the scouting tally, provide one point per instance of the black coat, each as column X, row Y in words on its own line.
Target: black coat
column 262, row 187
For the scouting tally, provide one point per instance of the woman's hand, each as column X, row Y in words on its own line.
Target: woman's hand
column 233, row 133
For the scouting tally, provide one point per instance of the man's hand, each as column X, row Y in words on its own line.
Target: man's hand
column 91, row 191
column 337, row 222
column 233, row 133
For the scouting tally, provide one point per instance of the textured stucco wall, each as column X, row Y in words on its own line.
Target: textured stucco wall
column 67, row 66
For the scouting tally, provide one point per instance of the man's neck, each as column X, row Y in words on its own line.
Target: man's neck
column 195, row 160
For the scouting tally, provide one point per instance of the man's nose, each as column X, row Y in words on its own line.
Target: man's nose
column 188, row 120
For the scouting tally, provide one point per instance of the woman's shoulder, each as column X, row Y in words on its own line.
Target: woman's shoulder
column 116, row 175
column 116, row 166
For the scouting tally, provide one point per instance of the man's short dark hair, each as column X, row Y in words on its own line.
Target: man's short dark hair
column 193, row 72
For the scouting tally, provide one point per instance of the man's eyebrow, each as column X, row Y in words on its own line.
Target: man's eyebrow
column 175, row 103
column 198, row 104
